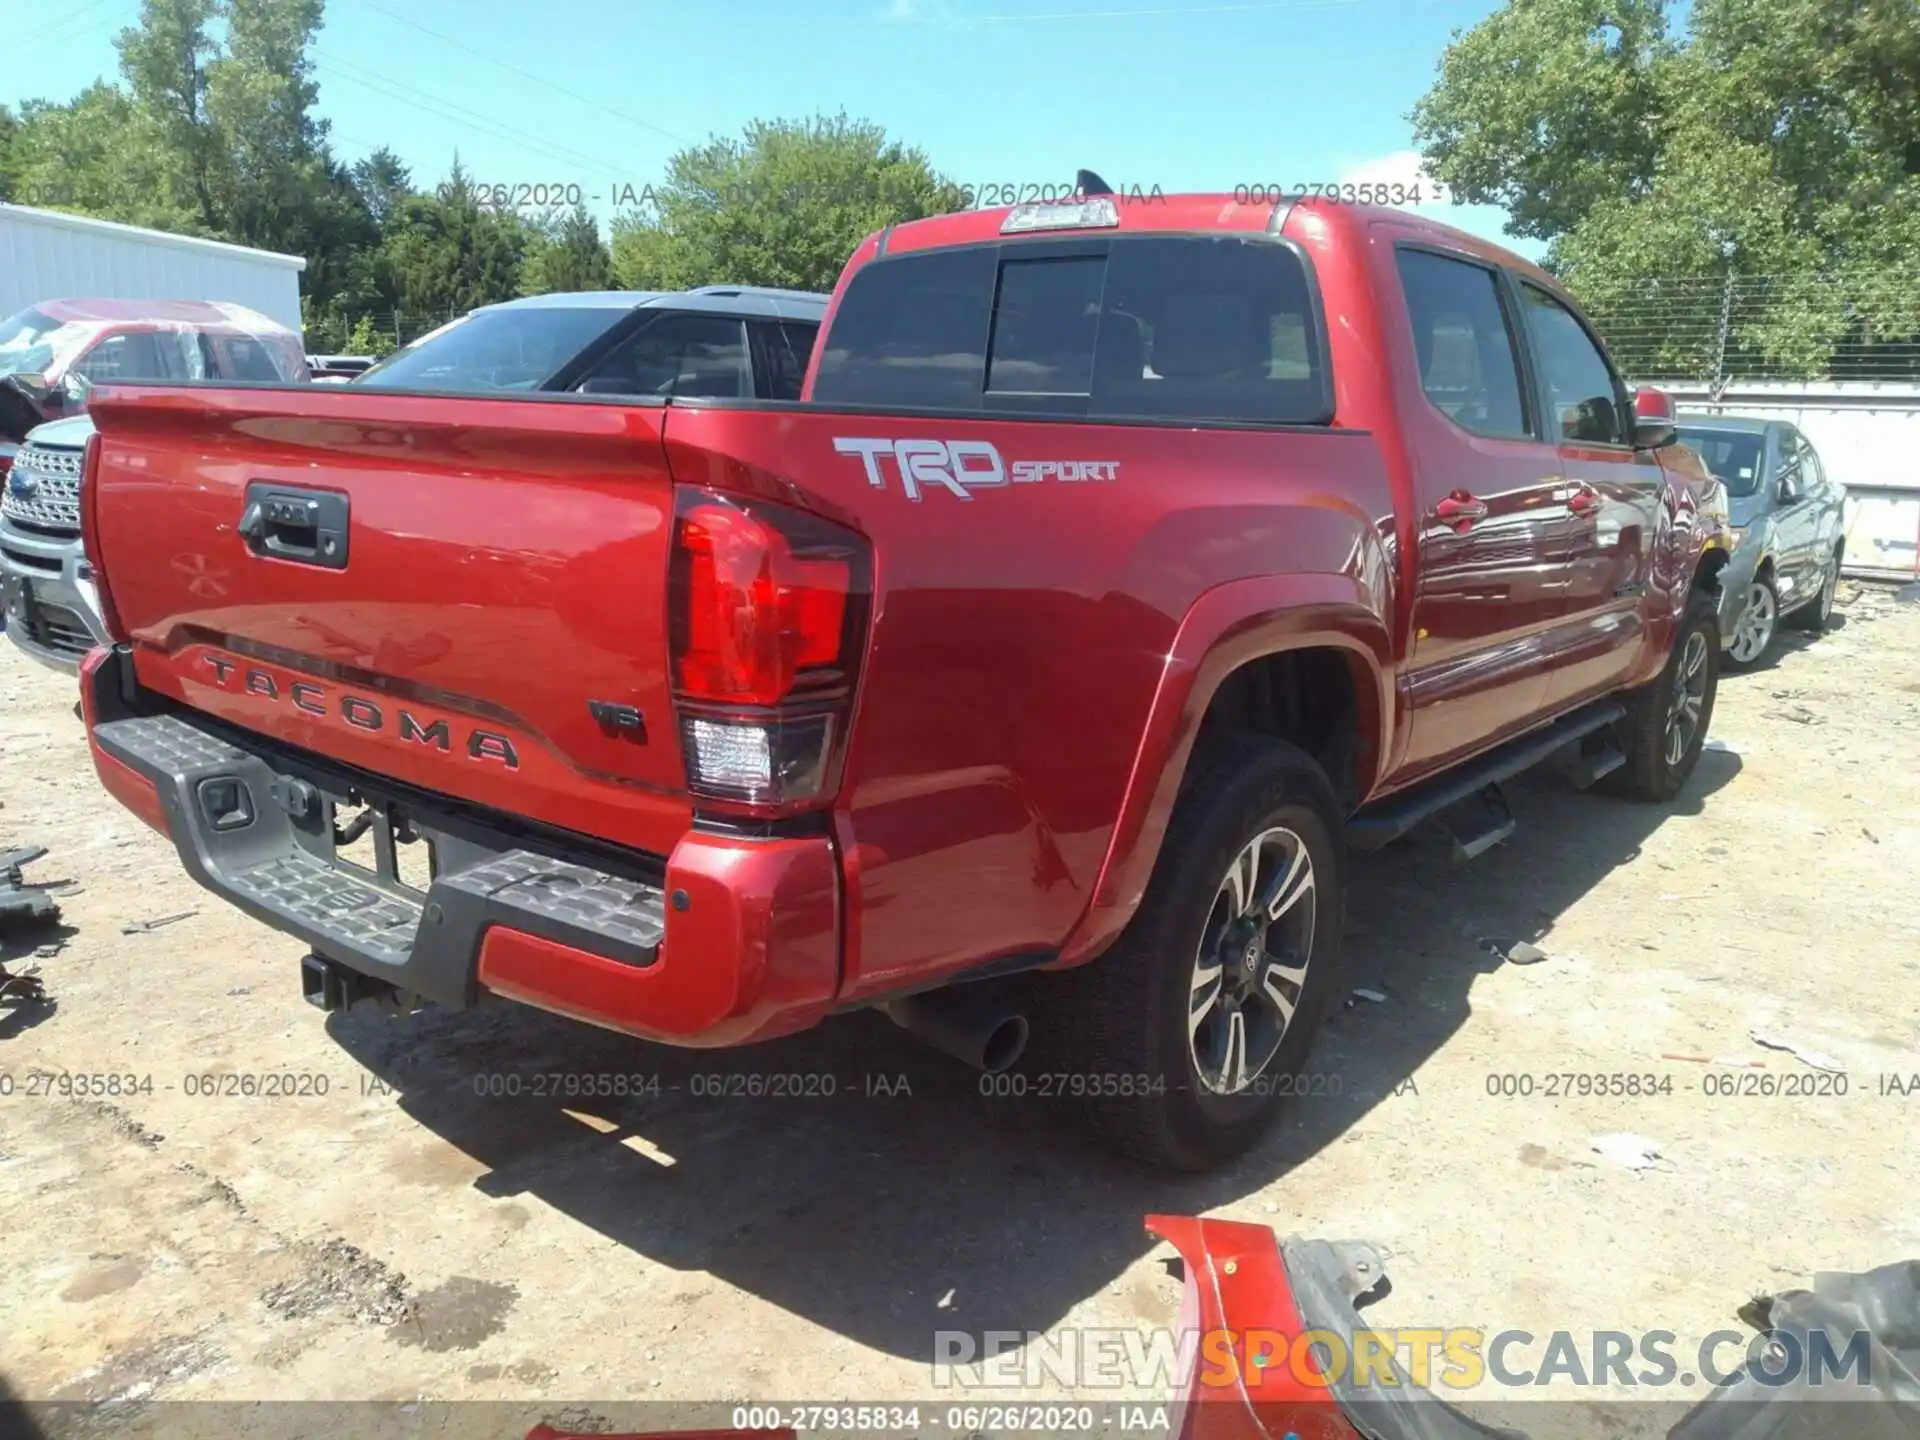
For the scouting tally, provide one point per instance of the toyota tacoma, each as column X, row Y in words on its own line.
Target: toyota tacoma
column 1120, row 565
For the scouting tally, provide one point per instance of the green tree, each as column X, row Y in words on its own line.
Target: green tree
column 9, row 128
column 1773, row 148
column 567, row 254
column 447, row 253
column 103, row 155
column 384, row 183
column 783, row 205
column 164, row 59
column 367, row 339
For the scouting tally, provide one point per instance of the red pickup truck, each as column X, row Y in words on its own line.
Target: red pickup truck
column 1122, row 563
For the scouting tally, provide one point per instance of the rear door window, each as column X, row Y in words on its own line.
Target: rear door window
column 784, row 348
column 678, row 355
column 1134, row 328
column 239, row 357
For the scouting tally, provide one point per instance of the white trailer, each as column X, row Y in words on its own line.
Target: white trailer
column 1867, row 433
column 46, row 255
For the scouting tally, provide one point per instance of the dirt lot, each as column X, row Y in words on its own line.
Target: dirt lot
column 405, row 1237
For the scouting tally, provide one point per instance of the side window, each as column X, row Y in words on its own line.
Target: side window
column 1582, row 394
column 785, row 348
column 1467, row 364
column 687, row 355
column 1810, row 462
column 136, row 356
column 1793, row 478
column 238, row 357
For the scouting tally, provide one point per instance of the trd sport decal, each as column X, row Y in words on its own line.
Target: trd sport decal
column 963, row 466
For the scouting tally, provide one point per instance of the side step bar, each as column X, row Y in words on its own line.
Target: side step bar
column 1378, row 825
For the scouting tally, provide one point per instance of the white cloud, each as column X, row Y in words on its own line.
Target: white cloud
column 1403, row 168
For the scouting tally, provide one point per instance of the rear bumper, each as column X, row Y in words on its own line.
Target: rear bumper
column 47, row 591
column 731, row 939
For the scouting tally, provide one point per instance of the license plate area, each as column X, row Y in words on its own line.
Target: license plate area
column 380, row 842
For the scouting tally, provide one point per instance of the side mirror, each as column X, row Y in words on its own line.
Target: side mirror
column 1789, row 492
column 1653, row 419
column 74, row 389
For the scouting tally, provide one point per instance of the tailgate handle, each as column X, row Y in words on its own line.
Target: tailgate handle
column 286, row 522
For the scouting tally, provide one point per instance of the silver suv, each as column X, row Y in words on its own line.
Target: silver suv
column 52, row 608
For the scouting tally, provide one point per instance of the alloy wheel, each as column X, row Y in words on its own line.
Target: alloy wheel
column 1251, row 967
column 1689, row 698
column 1755, row 631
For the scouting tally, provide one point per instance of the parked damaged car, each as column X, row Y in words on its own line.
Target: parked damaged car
column 51, row 356
column 1788, row 530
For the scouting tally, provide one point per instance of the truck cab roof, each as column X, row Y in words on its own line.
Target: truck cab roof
column 1136, row 213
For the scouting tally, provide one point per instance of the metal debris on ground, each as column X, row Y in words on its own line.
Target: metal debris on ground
column 25, row 986
column 1817, row 1059
column 20, row 900
column 141, row 927
column 1378, row 997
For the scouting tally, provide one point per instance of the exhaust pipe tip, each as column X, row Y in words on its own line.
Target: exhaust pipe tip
column 1004, row 1045
column 968, row 1027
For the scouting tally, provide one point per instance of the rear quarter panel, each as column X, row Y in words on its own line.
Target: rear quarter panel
column 1022, row 634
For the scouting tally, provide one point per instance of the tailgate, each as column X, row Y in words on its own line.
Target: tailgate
column 434, row 589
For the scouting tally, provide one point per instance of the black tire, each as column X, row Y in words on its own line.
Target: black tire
column 1650, row 772
column 1817, row 612
column 1762, row 583
column 1121, row 1021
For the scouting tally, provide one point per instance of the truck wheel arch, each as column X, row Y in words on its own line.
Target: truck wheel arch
column 1234, row 641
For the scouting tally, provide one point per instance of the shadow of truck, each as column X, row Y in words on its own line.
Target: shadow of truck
column 883, row 1176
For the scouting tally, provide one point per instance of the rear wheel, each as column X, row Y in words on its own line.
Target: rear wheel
column 1758, row 623
column 1666, row 724
column 1187, row 1034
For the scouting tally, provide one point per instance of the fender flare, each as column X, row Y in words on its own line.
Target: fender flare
column 1228, row 626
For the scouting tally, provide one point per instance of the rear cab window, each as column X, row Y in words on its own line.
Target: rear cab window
column 1178, row 328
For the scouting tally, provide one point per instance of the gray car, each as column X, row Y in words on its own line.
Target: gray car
column 733, row 341
column 1787, row 528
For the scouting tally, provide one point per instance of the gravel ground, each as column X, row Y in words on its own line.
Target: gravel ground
column 398, row 1228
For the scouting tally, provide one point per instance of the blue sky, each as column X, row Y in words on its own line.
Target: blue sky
column 1183, row 94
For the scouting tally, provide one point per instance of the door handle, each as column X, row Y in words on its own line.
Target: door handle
column 286, row 522
column 1460, row 509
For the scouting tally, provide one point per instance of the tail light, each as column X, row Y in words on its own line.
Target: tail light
column 90, row 535
column 768, row 611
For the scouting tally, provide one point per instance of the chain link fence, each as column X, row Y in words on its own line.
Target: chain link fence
column 1716, row 329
